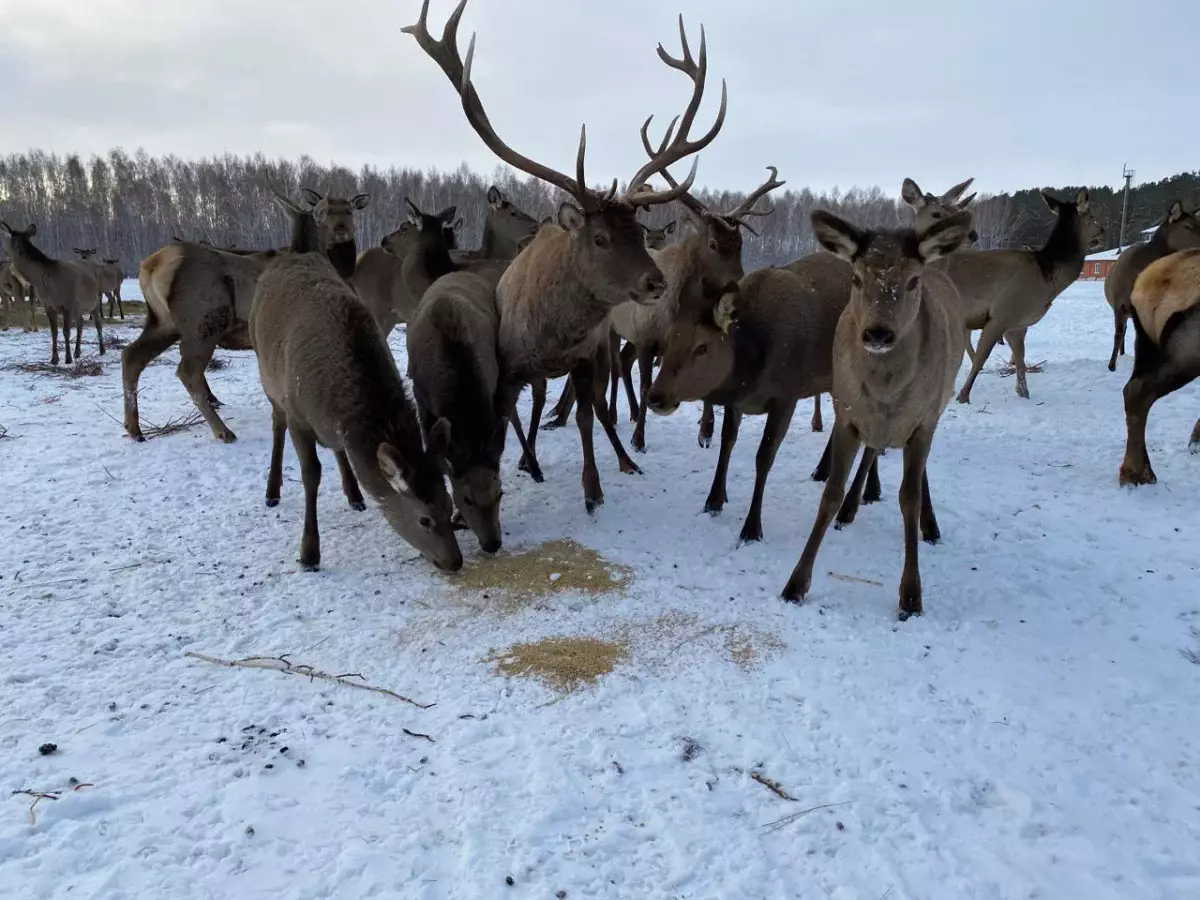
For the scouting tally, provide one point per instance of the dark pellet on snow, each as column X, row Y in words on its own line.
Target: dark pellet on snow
column 841, row 827
column 300, row 764
column 47, row 749
column 508, row 879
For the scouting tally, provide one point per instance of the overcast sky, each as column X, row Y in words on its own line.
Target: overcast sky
column 854, row 92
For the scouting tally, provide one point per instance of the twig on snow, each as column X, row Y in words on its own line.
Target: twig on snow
column 418, row 734
column 39, row 796
column 772, row 785
column 1008, row 369
column 282, row 664
column 788, row 820
column 854, row 578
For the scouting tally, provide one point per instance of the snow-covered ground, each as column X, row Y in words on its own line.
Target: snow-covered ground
column 1035, row 734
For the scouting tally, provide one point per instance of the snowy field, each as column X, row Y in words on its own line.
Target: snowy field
column 1034, row 735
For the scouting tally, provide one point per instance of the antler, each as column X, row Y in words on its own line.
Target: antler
column 686, row 197
column 445, row 53
column 746, row 207
column 679, row 146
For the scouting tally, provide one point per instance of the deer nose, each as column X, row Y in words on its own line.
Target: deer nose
column 657, row 402
column 652, row 286
column 878, row 339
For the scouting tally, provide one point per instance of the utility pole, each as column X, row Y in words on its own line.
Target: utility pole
column 1127, row 173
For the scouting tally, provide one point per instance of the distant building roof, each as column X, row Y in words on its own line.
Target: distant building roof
column 1105, row 255
column 1148, row 233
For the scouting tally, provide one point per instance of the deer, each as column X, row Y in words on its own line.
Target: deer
column 65, row 287
column 200, row 297
column 1165, row 308
column 657, row 238
column 332, row 380
column 897, row 349
column 14, row 289
column 555, row 298
column 1178, row 230
column 109, row 277
column 1005, row 292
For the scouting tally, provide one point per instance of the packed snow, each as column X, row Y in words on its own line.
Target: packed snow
column 1033, row 735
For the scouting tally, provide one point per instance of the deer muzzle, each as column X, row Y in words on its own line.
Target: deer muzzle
column 878, row 339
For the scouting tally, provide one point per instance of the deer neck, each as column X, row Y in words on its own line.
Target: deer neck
column 344, row 257
column 1061, row 257
column 32, row 264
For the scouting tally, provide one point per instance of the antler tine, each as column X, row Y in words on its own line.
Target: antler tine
column 445, row 53
column 681, row 145
column 686, row 198
column 746, row 207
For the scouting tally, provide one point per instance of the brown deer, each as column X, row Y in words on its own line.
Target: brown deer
column 1179, row 230
column 64, row 287
column 555, row 298
column 332, row 380
column 1165, row 306
column 657, row 238
column 200, row 297
column 897, row 350
column 14, row 289
column 109, row 278
column 1005, row 292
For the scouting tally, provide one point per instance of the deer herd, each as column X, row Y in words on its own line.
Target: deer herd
column 880, row 320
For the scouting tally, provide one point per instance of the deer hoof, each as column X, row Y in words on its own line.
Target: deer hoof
column 552, row 425
column 714, row 507
column 226, row 436
column 1137, row 476
column 592, row 505
column 272, row 502
column 358, row 505
column 910, row 601
column 749, row 537
column 629, row 467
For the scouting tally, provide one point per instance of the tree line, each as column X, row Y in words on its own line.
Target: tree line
column 127, row 206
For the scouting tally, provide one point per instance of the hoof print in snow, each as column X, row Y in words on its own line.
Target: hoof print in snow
column 691, row 749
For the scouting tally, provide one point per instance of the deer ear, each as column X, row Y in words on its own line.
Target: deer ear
column 6, row 228
column 944, row 236
column 457, row 224
column 311, row 197
column 1175, row 213
column 1082, row 201
column 570, row 217
column 495, row 199
column 1051, row 201
column 837, row 236
column 395, row 468
column 413, row 213
column 439, row 437
column 360, row 201
column 669, row 228
column 446, row 216
column 956, row 191
column 965, row 202
column 911, row 193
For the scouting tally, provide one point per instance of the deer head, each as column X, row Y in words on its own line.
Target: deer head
column 505, row 225
column 930, row 208
column 335, row 215
column 656, row 238
column 84, row 254
column 1078, row 215
column 1180, row 228
column 607, row 247
column 886, row 289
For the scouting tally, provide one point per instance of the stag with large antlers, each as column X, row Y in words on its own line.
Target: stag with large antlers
column 555, row 299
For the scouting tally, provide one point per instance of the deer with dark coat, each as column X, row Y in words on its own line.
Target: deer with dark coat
column 332, row 380
column 1178, row 230
column 1165, row 306
column 200, row 297
column 556, row 296
column 65, row 287
column 897, row 350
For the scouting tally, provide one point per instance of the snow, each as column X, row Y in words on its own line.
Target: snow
column 1033, row 735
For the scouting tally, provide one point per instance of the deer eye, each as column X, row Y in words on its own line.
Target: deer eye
column 701, row 349
column 856, row 280
column 600, row 240
column 937, row 214
column 911, row 284
column 467, row 501
column 712, row 244
column 426, row 522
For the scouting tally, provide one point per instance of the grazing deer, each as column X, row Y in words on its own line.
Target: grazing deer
column 897, row 350
column 200, row 297
column 1165, row 306
column 1004, row 292
column 332, row 380
column 1179, row 230
column 455, row 373
column 65, row 287
column 556, row 296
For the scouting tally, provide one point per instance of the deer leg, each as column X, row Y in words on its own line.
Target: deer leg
column 967, row 343
column 930, row 532
column 843, row 447
column 305, row 446
column 645, row 361
column 79, row 334
column 992, row 333
column 68, row 320
column 708, row 421
column 614, row 371
column 912, row 490
column 1016, row 341
column 534, row 470
column 98, row 321
column 1120, row 319
column 150, row 344
column 731, row 423
column 32, row 310
column 628, row 466
column 821, row 472
column 778, row 420
column 627, row 357
column 120, row 309
column 1144, row 389
column 817, row 423
column 275, row 472
column 582, row 376
column 562, row 409
column 529, row 462
column 874, row 491
column 849, row 507
column 349, row 482
column 1194, row 443
column 52, row 317
column 193, row 357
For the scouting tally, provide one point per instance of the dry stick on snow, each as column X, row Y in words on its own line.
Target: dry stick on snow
column 4, row 433
column 173, row 426
column 39, row 796
column 418, row 734
column 1008, row 369
column 772, row 785
column 854, row 578
column 287, row 667
column 788, row 820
